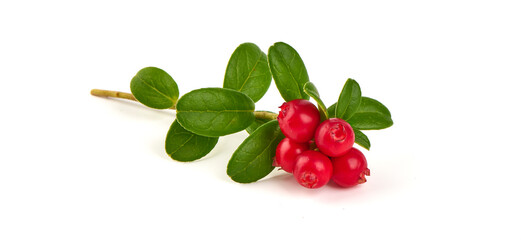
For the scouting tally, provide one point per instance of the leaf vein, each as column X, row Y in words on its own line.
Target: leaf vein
column 155, row 89
column 291, row 73
column 172, row 153
column 249, row 74
column 255, row 159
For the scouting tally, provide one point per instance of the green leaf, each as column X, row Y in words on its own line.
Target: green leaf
column 215, row 112
column 248, row 71
column 183, row 145
column 288, row 71
column 371, row 115
column 361, row 139
column 253, row 159
column 154, row 88
column 331, row 111
column 311, row 90
column 349, row 100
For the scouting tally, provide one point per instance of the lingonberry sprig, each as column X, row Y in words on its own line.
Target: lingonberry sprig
column 314, row 143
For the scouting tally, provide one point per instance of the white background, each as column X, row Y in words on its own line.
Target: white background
column 74, row 166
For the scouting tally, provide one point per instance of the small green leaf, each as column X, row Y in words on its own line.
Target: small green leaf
column 154, row 88
column 253, row 159
column 331, row 111
column 183, row 145
column 361, row 139
column 248, row 71
column 214, row 112
column 311, row 90
column 371, row 115
column 288, row 71
column 349, row 100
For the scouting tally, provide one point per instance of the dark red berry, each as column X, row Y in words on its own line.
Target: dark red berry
column 298, row 120
column 350, row 169
column 334, row 137
column 287, row 152
column 312, row 169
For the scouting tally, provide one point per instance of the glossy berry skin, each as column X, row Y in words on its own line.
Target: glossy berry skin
column 350, row 169
column 334, row 137
column 287, row 152
column 312, row 169
column 298, row 120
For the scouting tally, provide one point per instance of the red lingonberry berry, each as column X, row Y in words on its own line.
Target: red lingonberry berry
column 312, row 169
column 286, row 153
column 298, row 120
column 350, row 169
column 334, row 137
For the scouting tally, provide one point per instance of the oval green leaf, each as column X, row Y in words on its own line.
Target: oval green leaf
column 253, row 159
column 371, row 115
column 214, row 112
column 248, row 71
column 288, row 71
column 183, row 145
column 349, row 100
column 154, row 88
column 311, row 90
column 361, row 139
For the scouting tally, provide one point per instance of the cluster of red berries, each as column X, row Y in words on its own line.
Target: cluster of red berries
column 316, row 152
